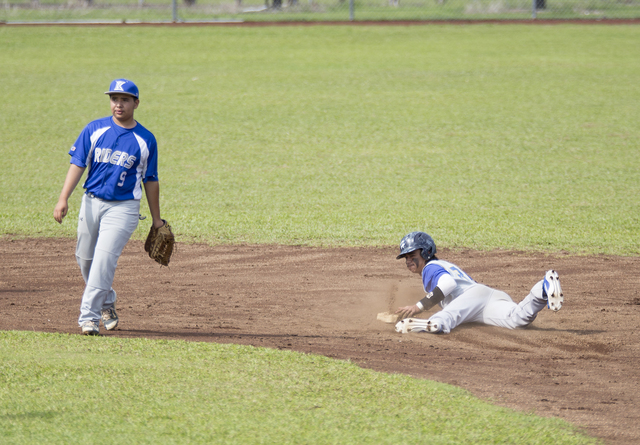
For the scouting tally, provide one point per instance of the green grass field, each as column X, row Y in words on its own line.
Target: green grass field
column 509, row 137
column 65, row 389
column 513, row 137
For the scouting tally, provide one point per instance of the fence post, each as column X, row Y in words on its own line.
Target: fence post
column 534, row 4
column 351, row 8
column 174, row 10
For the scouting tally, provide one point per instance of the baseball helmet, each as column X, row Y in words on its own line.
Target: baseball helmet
column 123, row 86
column 415, row 241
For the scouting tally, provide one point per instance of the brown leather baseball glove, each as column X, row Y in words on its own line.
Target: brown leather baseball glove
column 159, row 243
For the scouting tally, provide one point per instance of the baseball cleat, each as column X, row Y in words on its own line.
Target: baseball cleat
column 90, row 328
column 402, row 326
column 110, row 318
column 417, row 325
column 552, row 291
column 433, row 327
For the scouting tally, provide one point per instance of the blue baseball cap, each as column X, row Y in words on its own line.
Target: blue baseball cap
column 123, row 86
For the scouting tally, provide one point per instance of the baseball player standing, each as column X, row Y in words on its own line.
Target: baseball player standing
column 120, row 155
column 461, row 298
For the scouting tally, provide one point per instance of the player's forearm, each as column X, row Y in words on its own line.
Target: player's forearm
column 73, row 177
column 431, row 299
column 152, row 190
column 71, row 181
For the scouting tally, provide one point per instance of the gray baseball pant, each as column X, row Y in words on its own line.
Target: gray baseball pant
column 104, row 228
column 483, row 304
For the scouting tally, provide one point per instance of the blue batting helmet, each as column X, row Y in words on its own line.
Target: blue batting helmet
column 415, row 241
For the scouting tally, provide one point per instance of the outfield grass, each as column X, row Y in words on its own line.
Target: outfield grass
column 62, row 389
column 514, row 137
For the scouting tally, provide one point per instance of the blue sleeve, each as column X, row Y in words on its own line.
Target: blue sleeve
column 152, row 163
column 80, row 150
column 430, row 276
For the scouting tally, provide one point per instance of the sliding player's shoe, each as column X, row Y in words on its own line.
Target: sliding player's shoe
column 552, row 291
column 417, row 325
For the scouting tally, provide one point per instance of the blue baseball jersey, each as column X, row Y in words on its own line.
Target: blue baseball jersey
column 118, row 159
column 436, row 268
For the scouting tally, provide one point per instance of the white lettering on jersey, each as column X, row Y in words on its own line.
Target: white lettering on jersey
column 130, row 160
column 115, row 156
column 122, row 159
column 108, row 156
column 105, row 155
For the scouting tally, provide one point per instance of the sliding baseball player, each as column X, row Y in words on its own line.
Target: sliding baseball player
column 462, row 299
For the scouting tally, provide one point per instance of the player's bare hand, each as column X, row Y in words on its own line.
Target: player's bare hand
column 408, row 311
column 61, row 210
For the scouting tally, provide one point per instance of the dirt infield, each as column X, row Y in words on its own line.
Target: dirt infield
column 580, row 364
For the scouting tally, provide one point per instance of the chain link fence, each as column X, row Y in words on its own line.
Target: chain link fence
column 131, row 11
